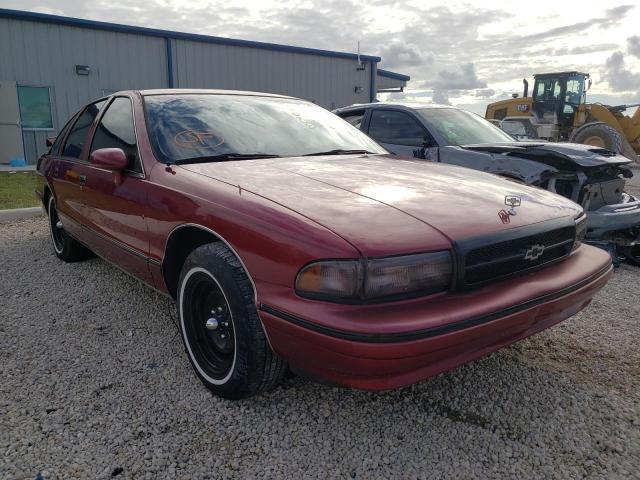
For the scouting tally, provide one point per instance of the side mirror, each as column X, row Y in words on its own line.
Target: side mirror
column 109, row 158
column 50, row 141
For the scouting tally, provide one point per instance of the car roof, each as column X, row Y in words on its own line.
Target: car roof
column 201, row 91
column 401, row 105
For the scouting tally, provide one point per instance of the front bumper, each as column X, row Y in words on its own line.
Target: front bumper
column 379, row 347
column 613, row 218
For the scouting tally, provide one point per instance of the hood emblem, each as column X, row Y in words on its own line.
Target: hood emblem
column 534, row 252
column 504, row 216
column 512, row 201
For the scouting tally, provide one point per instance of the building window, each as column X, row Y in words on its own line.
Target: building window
column 35, row 108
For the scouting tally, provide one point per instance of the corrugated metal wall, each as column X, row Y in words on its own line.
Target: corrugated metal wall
column 327, row 81
column 45, row 54
column 41, row 54
column 386, row 82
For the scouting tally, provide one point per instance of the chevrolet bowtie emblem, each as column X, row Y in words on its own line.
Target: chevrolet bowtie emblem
column 534, row 252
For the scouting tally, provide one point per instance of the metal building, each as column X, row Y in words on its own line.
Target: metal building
column 50, row 66
column 391, row 81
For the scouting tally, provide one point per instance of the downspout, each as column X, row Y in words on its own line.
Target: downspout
column 169, row 49
column 372, row 87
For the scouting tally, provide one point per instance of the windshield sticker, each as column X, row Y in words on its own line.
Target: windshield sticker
column 194, row 139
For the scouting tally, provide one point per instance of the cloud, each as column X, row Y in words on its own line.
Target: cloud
column 584, row 49
column 399, row 55
column 484, row 93
column 440, row 96
column 633, row 46
column 620, row 79
column 462, row 78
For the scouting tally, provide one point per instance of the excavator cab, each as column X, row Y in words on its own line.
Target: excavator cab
column 557, row 97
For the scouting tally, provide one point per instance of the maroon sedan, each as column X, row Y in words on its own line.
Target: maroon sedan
column 288, row 237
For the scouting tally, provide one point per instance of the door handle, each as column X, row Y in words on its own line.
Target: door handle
column 82, row 179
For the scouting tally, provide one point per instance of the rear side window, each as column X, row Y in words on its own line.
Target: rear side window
column 78, row 134
column 116, row 130
column 398, row 128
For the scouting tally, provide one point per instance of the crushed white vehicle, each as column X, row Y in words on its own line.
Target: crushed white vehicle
column 590, row 176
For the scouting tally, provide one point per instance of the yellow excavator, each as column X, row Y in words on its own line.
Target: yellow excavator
column 557, row 111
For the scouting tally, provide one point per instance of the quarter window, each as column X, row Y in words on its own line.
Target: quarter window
column 78, row 135
column 116, row 130
column 35, row 108
column 398, row 128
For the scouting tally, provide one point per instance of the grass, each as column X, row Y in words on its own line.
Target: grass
column 17, row 190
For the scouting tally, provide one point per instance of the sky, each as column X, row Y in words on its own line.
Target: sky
column 461, row 53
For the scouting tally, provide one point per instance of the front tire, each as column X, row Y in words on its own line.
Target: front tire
column 65, row 247
column 599, row 134
column 221, row 330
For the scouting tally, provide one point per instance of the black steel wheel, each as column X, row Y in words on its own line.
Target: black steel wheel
column 221, row 330
column 65, row 247
column 208, row 324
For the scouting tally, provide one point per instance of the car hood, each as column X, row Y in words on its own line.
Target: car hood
column 563, row 156
column 384, row 205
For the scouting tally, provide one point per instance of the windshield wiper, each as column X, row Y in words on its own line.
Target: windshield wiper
column 224, row 157
column 337, row 151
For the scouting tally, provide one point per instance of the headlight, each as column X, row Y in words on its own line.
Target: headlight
column 581, row 230
column 381, row 278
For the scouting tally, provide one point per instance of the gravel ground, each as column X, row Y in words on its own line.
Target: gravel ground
column 95, row 384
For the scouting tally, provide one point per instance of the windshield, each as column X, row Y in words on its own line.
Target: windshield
column 459, row 127
column 190, row 126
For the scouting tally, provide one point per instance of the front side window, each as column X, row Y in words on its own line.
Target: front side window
column 116, row 130
column 354, row 118
column 459, row 127
column 398, row 128
column 78, row 135
column 35, row 108
column 191, row 126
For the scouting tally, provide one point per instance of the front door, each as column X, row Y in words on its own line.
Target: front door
column 115, row 203
column 400, row 133
column 10, row 130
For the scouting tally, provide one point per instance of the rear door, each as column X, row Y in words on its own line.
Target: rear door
column 115, row 203
column 66, row 177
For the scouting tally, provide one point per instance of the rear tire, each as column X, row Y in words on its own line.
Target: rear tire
column 632, row 255
column 221, row 330
column 601, row 135
column 65, row 247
